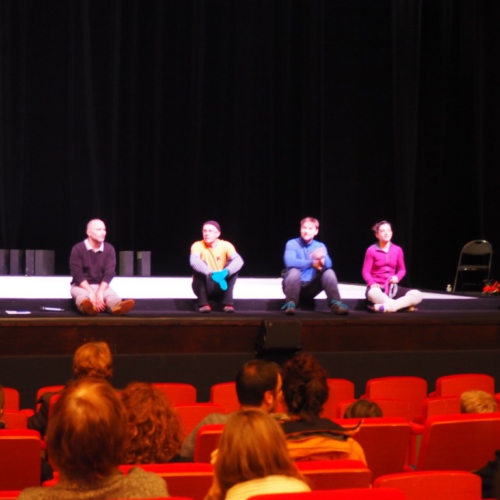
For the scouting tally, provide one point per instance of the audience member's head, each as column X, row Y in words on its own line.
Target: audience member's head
column 305, row 387
column 93, row 359
column 363, row 408
column 153, row 427
column 477, row 402
column 252, row 446
column 86, row 434
column 258, row 384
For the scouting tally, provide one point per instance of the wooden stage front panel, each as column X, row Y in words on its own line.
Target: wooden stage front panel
column 218, row 333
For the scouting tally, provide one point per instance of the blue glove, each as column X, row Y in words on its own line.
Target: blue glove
column 218, row 277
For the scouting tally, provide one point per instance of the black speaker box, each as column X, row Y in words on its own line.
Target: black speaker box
column 4, row 261
column 143, row 260
column 29, row 263
column 280, row 335
column 44, row 262
column 126, row 264
column 16, row 262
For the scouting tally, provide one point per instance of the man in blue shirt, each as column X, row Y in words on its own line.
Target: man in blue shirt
column 309, row 270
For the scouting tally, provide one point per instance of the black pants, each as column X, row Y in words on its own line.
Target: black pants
column 205, row 288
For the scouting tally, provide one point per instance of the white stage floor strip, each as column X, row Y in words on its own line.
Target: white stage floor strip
column 57, row 287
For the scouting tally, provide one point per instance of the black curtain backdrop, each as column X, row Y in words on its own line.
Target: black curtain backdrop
column 156, row 115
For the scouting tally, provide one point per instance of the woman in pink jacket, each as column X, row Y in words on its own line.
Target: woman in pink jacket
column 383, row 269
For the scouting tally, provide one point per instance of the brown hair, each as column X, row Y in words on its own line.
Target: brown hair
column 477, row 402
column 305, row 388
column 376, row 227
column 252, row 446
column 312, row 220
column 153, row 427
column 86, row 433
column 363, row 408
column 254, row 379
column 93, row 359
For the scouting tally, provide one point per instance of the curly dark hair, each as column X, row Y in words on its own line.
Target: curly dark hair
column 153, row 426
column 305, row 387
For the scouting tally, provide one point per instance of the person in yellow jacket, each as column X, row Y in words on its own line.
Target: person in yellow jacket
column 215, row 265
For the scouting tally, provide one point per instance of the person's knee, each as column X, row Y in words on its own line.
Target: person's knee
column 292, row 274
column 376, row 295
column 416, row 296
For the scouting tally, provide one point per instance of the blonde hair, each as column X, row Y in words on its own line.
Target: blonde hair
column 312, row 220
column 252, row 446
column 477, row 402
column 93, row 359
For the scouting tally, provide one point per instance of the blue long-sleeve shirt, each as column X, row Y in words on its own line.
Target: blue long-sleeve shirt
column 297, row 255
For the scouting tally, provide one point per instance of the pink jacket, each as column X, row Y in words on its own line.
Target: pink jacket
column 380, row 266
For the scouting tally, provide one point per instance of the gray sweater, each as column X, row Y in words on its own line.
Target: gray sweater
column 136, row 484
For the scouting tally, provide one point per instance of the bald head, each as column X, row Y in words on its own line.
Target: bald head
column 96, row 231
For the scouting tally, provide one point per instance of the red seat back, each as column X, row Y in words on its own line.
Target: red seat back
column 459, row 442
column 340, row 389
column 10, row 494
column 445, row 405
column 192, row 414
column 335, row 474
column 48, row 388
column 413, row 389
column 177, row 393
column 192, row 480
column 207, row 441
column 20, row 462
column 15, row 419
column 424, row 485
column 454, row 385
column 385, row 441
column 11, row 399
column 343, row 494
column 225, row 394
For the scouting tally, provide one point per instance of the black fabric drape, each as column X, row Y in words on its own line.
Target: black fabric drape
column 157, row 115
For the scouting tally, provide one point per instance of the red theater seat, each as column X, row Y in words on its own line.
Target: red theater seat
column 207, row 440
column 15, row 419
column 340, row 390
column 458, row 485
column 335, row 474
column 192, row 414
column 464, row 442
column 454, row 385
column 385, row 441
column 225, row 394
column 413, row 389
column 20, row 462
column 177, row 393
column 11, row 399
column 344, row 494
column 192, row 480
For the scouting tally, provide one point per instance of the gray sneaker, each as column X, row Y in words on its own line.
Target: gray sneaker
column 338, row 307
column 289, row 308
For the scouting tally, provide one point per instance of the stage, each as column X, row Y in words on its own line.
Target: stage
column 165, row 337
